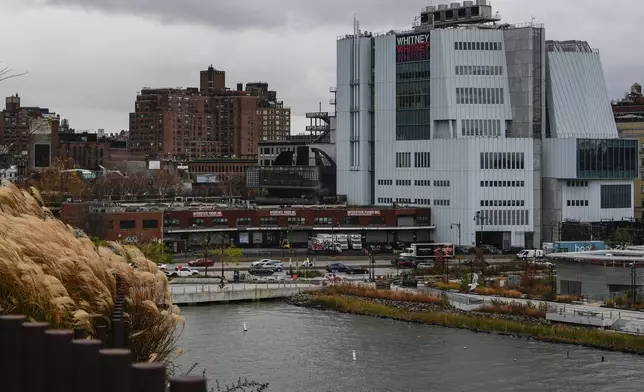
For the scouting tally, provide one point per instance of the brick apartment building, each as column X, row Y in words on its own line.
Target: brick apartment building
column 33, row 130
column 274, row 117
column 192, row 123
column 86, row 149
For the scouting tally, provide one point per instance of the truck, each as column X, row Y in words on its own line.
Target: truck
column 428, row 251
column 578, row 246
column 324, row 244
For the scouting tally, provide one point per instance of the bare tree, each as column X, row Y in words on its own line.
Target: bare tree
column 7, row 73
column 231, row 184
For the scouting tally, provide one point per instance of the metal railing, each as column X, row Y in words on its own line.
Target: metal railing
column 243, row 286
column 35, row 358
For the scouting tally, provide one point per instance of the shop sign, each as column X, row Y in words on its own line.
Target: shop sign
column 283, row 213
column 207, row 214
column 363, row 213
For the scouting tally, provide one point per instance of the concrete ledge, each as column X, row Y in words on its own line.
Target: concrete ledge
column 580, row 320
column 257, row 293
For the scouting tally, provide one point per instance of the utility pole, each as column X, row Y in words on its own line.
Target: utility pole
column 633, row 281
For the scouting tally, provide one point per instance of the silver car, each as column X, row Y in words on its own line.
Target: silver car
column 273, row 265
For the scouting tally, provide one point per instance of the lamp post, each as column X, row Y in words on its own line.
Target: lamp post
column 479, row 222
column 633, row 281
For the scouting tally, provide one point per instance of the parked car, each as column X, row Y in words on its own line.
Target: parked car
column 258, row 262
column 201, row 263
column 404, row 262
column 490, row 250
column 182, row 272
column 273, row 265
column 163, row 267
column 421, row 266
column 339, row 267
column 258, row 270
column 530, row 254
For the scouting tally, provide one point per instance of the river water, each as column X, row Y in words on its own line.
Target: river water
column 296, row 349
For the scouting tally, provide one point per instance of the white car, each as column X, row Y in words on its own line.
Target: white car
column 183, row 272
column 273, row 265
column 163, row 267
column 258, row 262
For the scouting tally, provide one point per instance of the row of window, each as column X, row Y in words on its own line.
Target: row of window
column 577, row 203
column 444, row 203
column 478, row 46
column 403, row 200
column 479, row 70
column 502, row 184
column 479, row 96
column 502, row 203
column 481, row 127
column 421, row 159
column 385, row 200
column 423, row 202
column 437, row 183
column 503, row 160
column 504, row 218
column 403, row 159
column 146, row 224
column 576, row 184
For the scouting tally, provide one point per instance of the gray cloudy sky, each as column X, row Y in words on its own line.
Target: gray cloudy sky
column 88, row 58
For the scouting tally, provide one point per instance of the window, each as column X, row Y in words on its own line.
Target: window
column 323, row 220
column 504, row 218
column 441, row 183
column 443, row 203
column 421, row 159
column 403, row 159
column 616, row 196
column 385, row 182
column 243, row 222
column 502, row 203
column 413, row 101
column 268, row 221
column 477, row 46
column 503, row 160
column 150, row 224
column 403, row 182
column 479, row 96
column 127, row 224
column 172, row 223
column 422, row 183
column 577, row 203
column 576, row 184
column 197, row 222
column 385, row 200
column 489, row 128
column 611, row 158
column 352, row 220
column 423, row 202
column 220, row 221
column 296, row 220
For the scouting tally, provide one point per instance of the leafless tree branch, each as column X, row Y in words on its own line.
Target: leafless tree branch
column 7, row 73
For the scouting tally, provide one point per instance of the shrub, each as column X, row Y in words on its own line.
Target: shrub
column 361, row 291
column 567, row 299
column 447, row 286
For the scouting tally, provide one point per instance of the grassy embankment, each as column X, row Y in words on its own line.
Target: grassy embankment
column 343, row 299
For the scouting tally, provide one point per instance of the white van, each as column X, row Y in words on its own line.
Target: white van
column 530, row 254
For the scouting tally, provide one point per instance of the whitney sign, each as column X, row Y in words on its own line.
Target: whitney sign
column 412, row 47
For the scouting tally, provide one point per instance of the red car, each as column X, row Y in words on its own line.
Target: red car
column 201, row 263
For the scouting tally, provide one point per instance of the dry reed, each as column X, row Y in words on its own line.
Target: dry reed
column 52, row 273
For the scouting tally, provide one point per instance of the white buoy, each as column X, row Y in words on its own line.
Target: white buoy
column 245, row 329
column 465, row 348
column 353, row 354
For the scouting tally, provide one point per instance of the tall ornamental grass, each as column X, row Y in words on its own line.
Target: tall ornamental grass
column 55, row 274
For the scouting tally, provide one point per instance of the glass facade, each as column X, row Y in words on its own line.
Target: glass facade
column 413, row 101
column 607, row 158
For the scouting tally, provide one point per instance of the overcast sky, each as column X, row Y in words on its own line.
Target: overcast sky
column 87, row 59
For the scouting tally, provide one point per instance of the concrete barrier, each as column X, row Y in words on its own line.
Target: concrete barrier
column 203, row 294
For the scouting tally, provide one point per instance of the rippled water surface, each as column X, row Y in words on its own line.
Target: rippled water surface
column 297, row 349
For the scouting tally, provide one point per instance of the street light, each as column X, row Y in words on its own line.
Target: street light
column 479, row 222
column 633, row 285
